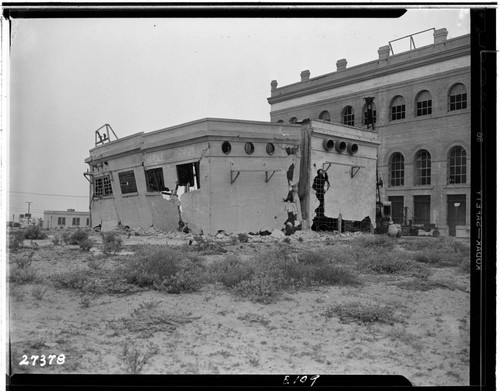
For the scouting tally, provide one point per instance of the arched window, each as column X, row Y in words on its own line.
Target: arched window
column 397, row 170
column 293, row 120
column 422, row 168
column 457, row 165
column 325, row 116
column 457, row 98
column 365, row 114
column 280, row 121
column 424, row 103
column 398, row 108
column 348, row 116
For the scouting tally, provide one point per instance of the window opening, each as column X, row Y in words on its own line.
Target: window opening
column 423, row 168
column 154, row 179
column 188, row 175
column 270, row 148
column 348, row 116
column 76, row 221
column 458, row 98
column 397, row 170
column 424, row 104
column 61, row 221
column 457, row 166
column 398, row 108
column 249, row 148
column 127, row 182
column 226, row 147
column 102, row 186
column 325, row 116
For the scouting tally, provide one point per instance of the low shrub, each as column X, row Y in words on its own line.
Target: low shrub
column 264, row 277
column 34, row 232
column 164, row 268
column 78, row 237
column 391, row 263
column 375, row 242
column 112, row 242
column 78, row 279
column 362, row 313
column 23, row 262
column 136, row 355
column 16, row 240
column 23, row 275
column 206, row 246
column 243, row 238
column 38, row 292
column 87, row 244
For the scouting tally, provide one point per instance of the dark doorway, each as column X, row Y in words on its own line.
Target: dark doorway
column 397, row 209
column 422, row 209
column 456, row 212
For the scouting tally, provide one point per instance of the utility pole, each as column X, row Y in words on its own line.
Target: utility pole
column 29, row 205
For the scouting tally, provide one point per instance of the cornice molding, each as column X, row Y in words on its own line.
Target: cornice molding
column 375, row 90
column 367, row 74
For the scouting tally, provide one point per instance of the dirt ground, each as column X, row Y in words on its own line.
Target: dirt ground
column 213, row 331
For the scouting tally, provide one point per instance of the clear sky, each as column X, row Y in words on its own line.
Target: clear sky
column 71, row 76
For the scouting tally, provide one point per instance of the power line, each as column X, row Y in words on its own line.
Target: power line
column 50, row 195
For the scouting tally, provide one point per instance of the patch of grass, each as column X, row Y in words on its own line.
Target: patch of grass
column 391, row 263
column 23, row 262
column 38, row 292
column 443, row 252
column 34, row 232
column 401, row 335
column 78, row 279
column 166, row 269
column 426, row 285
column 375, row 242
column 243, row 238
column 23, row 275
column 264, row 277
column 136, row 355
column 38, row 344
column 205, row 246
column 362, row 313
column 112, row 242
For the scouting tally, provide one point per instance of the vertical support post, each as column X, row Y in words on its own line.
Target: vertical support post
column 340, row 223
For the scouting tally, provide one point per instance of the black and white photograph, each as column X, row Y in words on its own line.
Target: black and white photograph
column 240, row 195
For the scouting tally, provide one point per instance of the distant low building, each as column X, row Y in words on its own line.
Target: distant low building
column 68, row 218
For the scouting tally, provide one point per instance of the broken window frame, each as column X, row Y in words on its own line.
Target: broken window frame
column 155, row 182
column 190, row 182
column 127, row 182
column 102, row 186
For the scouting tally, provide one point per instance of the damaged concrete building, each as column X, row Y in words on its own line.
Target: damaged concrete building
column 421, row 111
column 232, row 175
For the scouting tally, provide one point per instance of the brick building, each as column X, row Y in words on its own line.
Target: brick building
column 422, row 114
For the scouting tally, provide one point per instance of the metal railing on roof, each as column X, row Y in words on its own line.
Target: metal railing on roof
column 412, row 42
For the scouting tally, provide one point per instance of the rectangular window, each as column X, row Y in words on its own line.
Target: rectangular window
column 189, row 175
column 61, row 221
column 374, row 116
column 76, row 221
column 154, row 179
column 397, row 112
column 458, row 102
column 88, row 222
column 422, row 209
column 397, row 205
column 102, row 186
column 127, row 182
column 424, row 107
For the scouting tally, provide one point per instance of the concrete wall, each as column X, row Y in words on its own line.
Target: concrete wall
column 351, row 196
column 249, row 204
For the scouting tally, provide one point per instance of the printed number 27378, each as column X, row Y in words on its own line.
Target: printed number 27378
column 42, row 361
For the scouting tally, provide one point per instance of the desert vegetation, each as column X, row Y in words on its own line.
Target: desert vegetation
column 179, row 303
